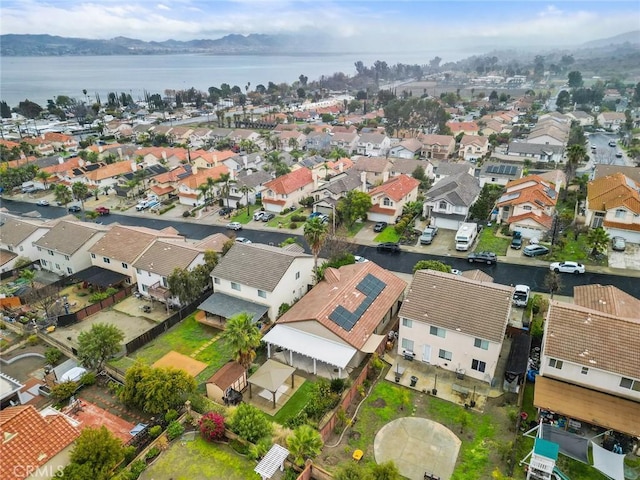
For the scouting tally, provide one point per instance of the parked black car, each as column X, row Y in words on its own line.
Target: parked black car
column 380, row 226
column 225, row 211
column 74, row 209
column 483, row 257
column 388, row 247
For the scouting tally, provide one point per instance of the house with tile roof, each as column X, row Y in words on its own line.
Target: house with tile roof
column 448, row 201
column 373, row 144
column 258, row 279
column 439, row 329
column 607, row 299
column 473, row 147
column 328, row 192
column 347, row 141
column 345, row 317
column 613, row 202
column 528, row 205
column 493, row 126
column 590, row 367
column 108, row 174
column 157, row 263
column 437, row 147
column 409, row 165
column 210, row 159
column 188, row 191
column 254, row 180
column 64, row 249
column 17, row 237
column 240, row 134
column 467, row 128
column 35, row 444
column 611, row 120
column 292, row 140
column 389, row 198
column 287, row 190
column 409, row 148
column 583, row 118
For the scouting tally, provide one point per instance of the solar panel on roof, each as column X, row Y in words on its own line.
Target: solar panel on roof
column 370, row 287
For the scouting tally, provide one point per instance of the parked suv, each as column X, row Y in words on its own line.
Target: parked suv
column 428, row 235
column 483, row 257
column 516, row 241
column 388, row 247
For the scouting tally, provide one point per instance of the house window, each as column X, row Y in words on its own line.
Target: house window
column 584, row 370
column 66, row 257
column 621, row 213
column 297, row 275
column 10, row 248
column 445, row 355
column 407, row 344
column 216, row 280
column 626, row 383
column 387, row 203
column 69, row 270
column 144, row 287
column 407, row 323
column 235, row 286
column 163, row 281
column 262, row 294
column 124, row 265
column 526, row 208
column 553, row 363
column 39, row 249
column 138, row 271
column 478, row 365
column 22, row 248
column 93, row 255
column 442, row 205
column 51, row 252
column 479, row 343
column 57, row 266
column 106, row 260
column 437, row 331
column 43, row 262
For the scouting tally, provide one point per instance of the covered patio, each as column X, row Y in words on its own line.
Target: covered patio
column 271, row 378
column 219, row 307
column 99, row 277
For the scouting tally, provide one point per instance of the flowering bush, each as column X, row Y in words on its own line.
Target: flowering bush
column 212, row 426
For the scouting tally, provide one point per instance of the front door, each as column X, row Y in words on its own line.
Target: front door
column 426, row 353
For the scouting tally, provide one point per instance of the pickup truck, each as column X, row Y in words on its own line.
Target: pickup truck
column 102, row 211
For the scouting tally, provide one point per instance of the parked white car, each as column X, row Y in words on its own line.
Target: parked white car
column 567, row 267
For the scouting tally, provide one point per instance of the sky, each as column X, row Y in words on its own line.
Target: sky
column 372, row 25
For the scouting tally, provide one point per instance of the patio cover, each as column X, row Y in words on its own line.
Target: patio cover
column 99, row 276
column 226, row 306
column 597, row 408
column 372, row 343
column 272, row 461
column 270, row 376
column 310, row 345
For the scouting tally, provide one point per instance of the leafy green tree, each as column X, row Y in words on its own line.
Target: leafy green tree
column 353, row 206
column 28, row 275
column 186, row 285
column 431, row 265
column 43, row 176
column 243, row 337
column 63, row 194
column 95, row 454
column 64, row 390
column 315, row 233
column 156, row 390
column 5, row 110
column 80, row 192
column 250, row 423
column 305, row 443
column 98, row 344
column 52, row 355
column 598, row 239
column 575, row 79
column 482, row 207
column 385, row 471
column 563, row 100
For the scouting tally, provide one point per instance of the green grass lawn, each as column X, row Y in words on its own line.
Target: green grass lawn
column 285, row 219
column 200, row 460
column 488, row 241
column 568, row 248
column 294, row 405
column 389, row 234
column 241, row 215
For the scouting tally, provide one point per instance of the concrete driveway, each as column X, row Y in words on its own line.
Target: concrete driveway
column 629, row 259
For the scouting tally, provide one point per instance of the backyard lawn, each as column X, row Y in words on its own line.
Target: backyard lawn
column 294, row 405
column 389, row 234
column 567, row 248
column 200, row 460
column 488, row 241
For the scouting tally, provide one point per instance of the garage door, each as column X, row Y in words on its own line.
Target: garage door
column 527, row 232
column 629, row 236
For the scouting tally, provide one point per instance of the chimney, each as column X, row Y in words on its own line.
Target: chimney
column 385, row 176
column 134, row 166
column 215, row 160
column 60, row 160
column 194, row 170
column 363, row 179
column 164, row 155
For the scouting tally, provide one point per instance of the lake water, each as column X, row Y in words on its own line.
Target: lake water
column 43, row 78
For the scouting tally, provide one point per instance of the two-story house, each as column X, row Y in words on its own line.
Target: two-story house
column 327, row 193
column 248, row 186
column 465, row 337
column 590, row 367
column 17, row 239
column 443, row 170
column 107, row 175
column 613, row 202
column 347, row 141
column 438, row 147
column 499, row 173
column 528, row 205
column 257, row 279
column 611, row 120
column 467, row 128
column 292, row 140
column 287, row 190
column 210, row 159
column 64, row 249
column 389, row 198
column 373, row 144
column 408, row 148
column 238, row 135
column 409, row 165
column 375, row 168
column 473, row 147
column 189, row 192
column 318, row 141
column 447, row 203
column 549, row 134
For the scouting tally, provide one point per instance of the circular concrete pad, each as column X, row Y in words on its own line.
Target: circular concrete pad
column 418, row 446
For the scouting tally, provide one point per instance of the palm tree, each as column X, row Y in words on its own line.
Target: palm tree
column 211, row 184
column 62, row 194
column 43, row 176
column 315, row 233
column 246, row 190
column 575, row 154
column 243, row 337
column 304, row 443
column 598, row 239
column 203, row 189
column 80, row 192
column 225, row 180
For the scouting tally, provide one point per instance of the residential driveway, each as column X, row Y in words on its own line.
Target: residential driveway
column 418, row 446
column 629, row 259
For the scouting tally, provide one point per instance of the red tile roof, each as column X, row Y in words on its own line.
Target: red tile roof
column 290, row 182
column 29, row 439
column 396, row 188
column 194, row 180
column 543, row 219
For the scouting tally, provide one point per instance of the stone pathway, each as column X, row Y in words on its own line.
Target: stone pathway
column 205, row 345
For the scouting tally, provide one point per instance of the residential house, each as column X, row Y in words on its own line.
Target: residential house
column 35, row 444
column 375, row 168
column 549, row 134
column 499, row 173
column 64, row 249
column 327, row 193
column 180, row 134
column 447, row 202
column 494, row 127
column 292, row 140
column 607, row 299
column 584, row 119
column 347, row 141
column 439, row 329
column 40, row 145
column 238, row 135
column 188, row 191
column 214, row 243
column 613, row 202
column 408, row 167
column 17, row 239
column 373, row 144
column 528, row 205
column 108, row 175
column 345, row 317
column 118, row 129
column 119, row 248
column 442, row 170
column 255, row 181
column 318, row 141
column 257, row 279
column 590, row 367
column 210, row 159
column 536, row 151
column 409, row 148
column 611, row 120
column 466, row 128
column 389, row 198
column 61, row 141
column 340, row 165
column 473, row 147
column 605, row 170
column 201, row 137
column 157, row 263
column 287, row 190
column 438, row 147
column 165, row 184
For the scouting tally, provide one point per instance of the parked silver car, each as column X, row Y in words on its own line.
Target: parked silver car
column 618, row 244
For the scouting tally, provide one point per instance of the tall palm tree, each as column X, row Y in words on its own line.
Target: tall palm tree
column 315, row 233
column 305, row 443
column 243, row 337
column 598, row 239
column 80, row 192
column 203, row 189
column 225, row 180
column 575, row 154
column 211, row 184
column 62, row 194
column 43, row 176
column 246, row 190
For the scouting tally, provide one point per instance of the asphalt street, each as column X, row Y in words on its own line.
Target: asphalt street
column 504, row 273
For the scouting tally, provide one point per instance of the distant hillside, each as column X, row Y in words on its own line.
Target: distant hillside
column 629, row 37
column 47, row 45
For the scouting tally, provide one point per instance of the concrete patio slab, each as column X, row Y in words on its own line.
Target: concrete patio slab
column 418, row 446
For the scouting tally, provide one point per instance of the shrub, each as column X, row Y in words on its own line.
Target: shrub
column 186, row 214
column 298, row 218
column 111, row 291
column 212, row 426
column 250, row 423
column 170, row 416
column 52, row 355
column 260, row 449
column 162, row 443
column 152, row 453
column 33, row 340
column 129, row 453
column 155, row 431
column 293, row 225
column 283, row 309
column 87, row 379
column 166, row 209
column 338, row 385
column 63, row 391
column 137, row 468
column 98, row 297
column 174, row 430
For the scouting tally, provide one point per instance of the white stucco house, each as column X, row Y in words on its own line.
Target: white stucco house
column 17, row 239
column 447, row 203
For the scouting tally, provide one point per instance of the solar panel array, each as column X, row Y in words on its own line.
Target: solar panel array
column 371, row 287
column 502, row 169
